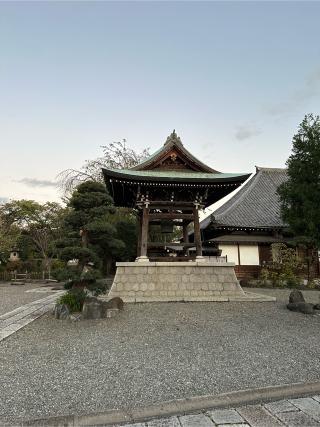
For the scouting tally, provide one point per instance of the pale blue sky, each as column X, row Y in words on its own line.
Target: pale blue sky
column 234, row 79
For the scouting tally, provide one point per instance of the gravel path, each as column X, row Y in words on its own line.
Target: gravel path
column 152, row 353
column 282, row 295
column 12, row 297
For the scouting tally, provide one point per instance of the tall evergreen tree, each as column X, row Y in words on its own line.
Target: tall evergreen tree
column 92, row 234
column 300, row 194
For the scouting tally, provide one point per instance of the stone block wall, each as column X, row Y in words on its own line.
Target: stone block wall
column 175, row 281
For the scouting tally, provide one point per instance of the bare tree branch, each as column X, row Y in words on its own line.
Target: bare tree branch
column 116, row 155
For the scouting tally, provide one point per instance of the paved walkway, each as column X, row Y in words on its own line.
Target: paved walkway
column 12, row 297
column 290, row 413
column 16, row 319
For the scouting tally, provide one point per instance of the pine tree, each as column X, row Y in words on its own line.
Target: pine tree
column 300, row 194
column 90, row 237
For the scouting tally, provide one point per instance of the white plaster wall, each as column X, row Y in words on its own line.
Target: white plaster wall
column 249, row 254
column 231, row 251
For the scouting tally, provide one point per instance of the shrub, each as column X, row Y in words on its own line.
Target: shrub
column 73, row 299
column 283, row 270
column 62, row 274
column 98, row 288
column 88, row 281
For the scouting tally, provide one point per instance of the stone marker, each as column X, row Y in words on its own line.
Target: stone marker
column 298, row 303
column 61, row 311
column 94, row 308
column 296, row 297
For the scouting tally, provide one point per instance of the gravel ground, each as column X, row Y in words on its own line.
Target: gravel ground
column 152, row 353
column 282, row 295
column 12, row 297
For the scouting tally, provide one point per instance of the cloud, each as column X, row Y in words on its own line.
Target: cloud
column 309, row 89
column 246, row 132
column 34, row 182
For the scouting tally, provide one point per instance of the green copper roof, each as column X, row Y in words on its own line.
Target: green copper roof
column 169, row 175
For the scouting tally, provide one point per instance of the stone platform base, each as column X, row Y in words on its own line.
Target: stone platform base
column 179, row 281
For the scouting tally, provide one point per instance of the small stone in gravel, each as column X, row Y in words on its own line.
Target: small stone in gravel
column 112, row 312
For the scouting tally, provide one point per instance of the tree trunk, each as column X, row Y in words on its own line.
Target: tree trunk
column 84, row 238
column 108, row 265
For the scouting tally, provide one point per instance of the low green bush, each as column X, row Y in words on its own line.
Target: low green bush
column 73, row 299
column 62, row 274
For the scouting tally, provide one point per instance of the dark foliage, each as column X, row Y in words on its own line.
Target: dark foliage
column 300, row 194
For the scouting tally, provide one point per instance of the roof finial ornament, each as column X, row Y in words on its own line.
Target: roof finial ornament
column 173, row 138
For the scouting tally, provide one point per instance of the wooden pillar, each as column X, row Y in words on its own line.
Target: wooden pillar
column 185, row 236
column 144, row 232
column 197, row 234
column 185, row 232
column 139, row 226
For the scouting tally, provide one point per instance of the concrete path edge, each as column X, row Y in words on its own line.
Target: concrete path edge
column 181, row 406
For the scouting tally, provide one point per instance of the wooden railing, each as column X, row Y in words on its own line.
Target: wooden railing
column 7, row 276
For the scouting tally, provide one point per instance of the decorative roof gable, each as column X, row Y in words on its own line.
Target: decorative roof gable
column 173, row 156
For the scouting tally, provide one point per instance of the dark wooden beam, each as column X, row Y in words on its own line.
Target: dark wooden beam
column 162, row 244
column 170, row 203
column 175, row 223
column 170, row 215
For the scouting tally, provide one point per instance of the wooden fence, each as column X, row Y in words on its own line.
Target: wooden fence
column 7, row 276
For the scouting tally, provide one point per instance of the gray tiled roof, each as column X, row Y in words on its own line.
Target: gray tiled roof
column 255, row 205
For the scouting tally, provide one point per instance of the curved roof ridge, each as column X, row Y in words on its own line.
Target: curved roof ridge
column 262, row 168
column 174, row 140
column 241, row 194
